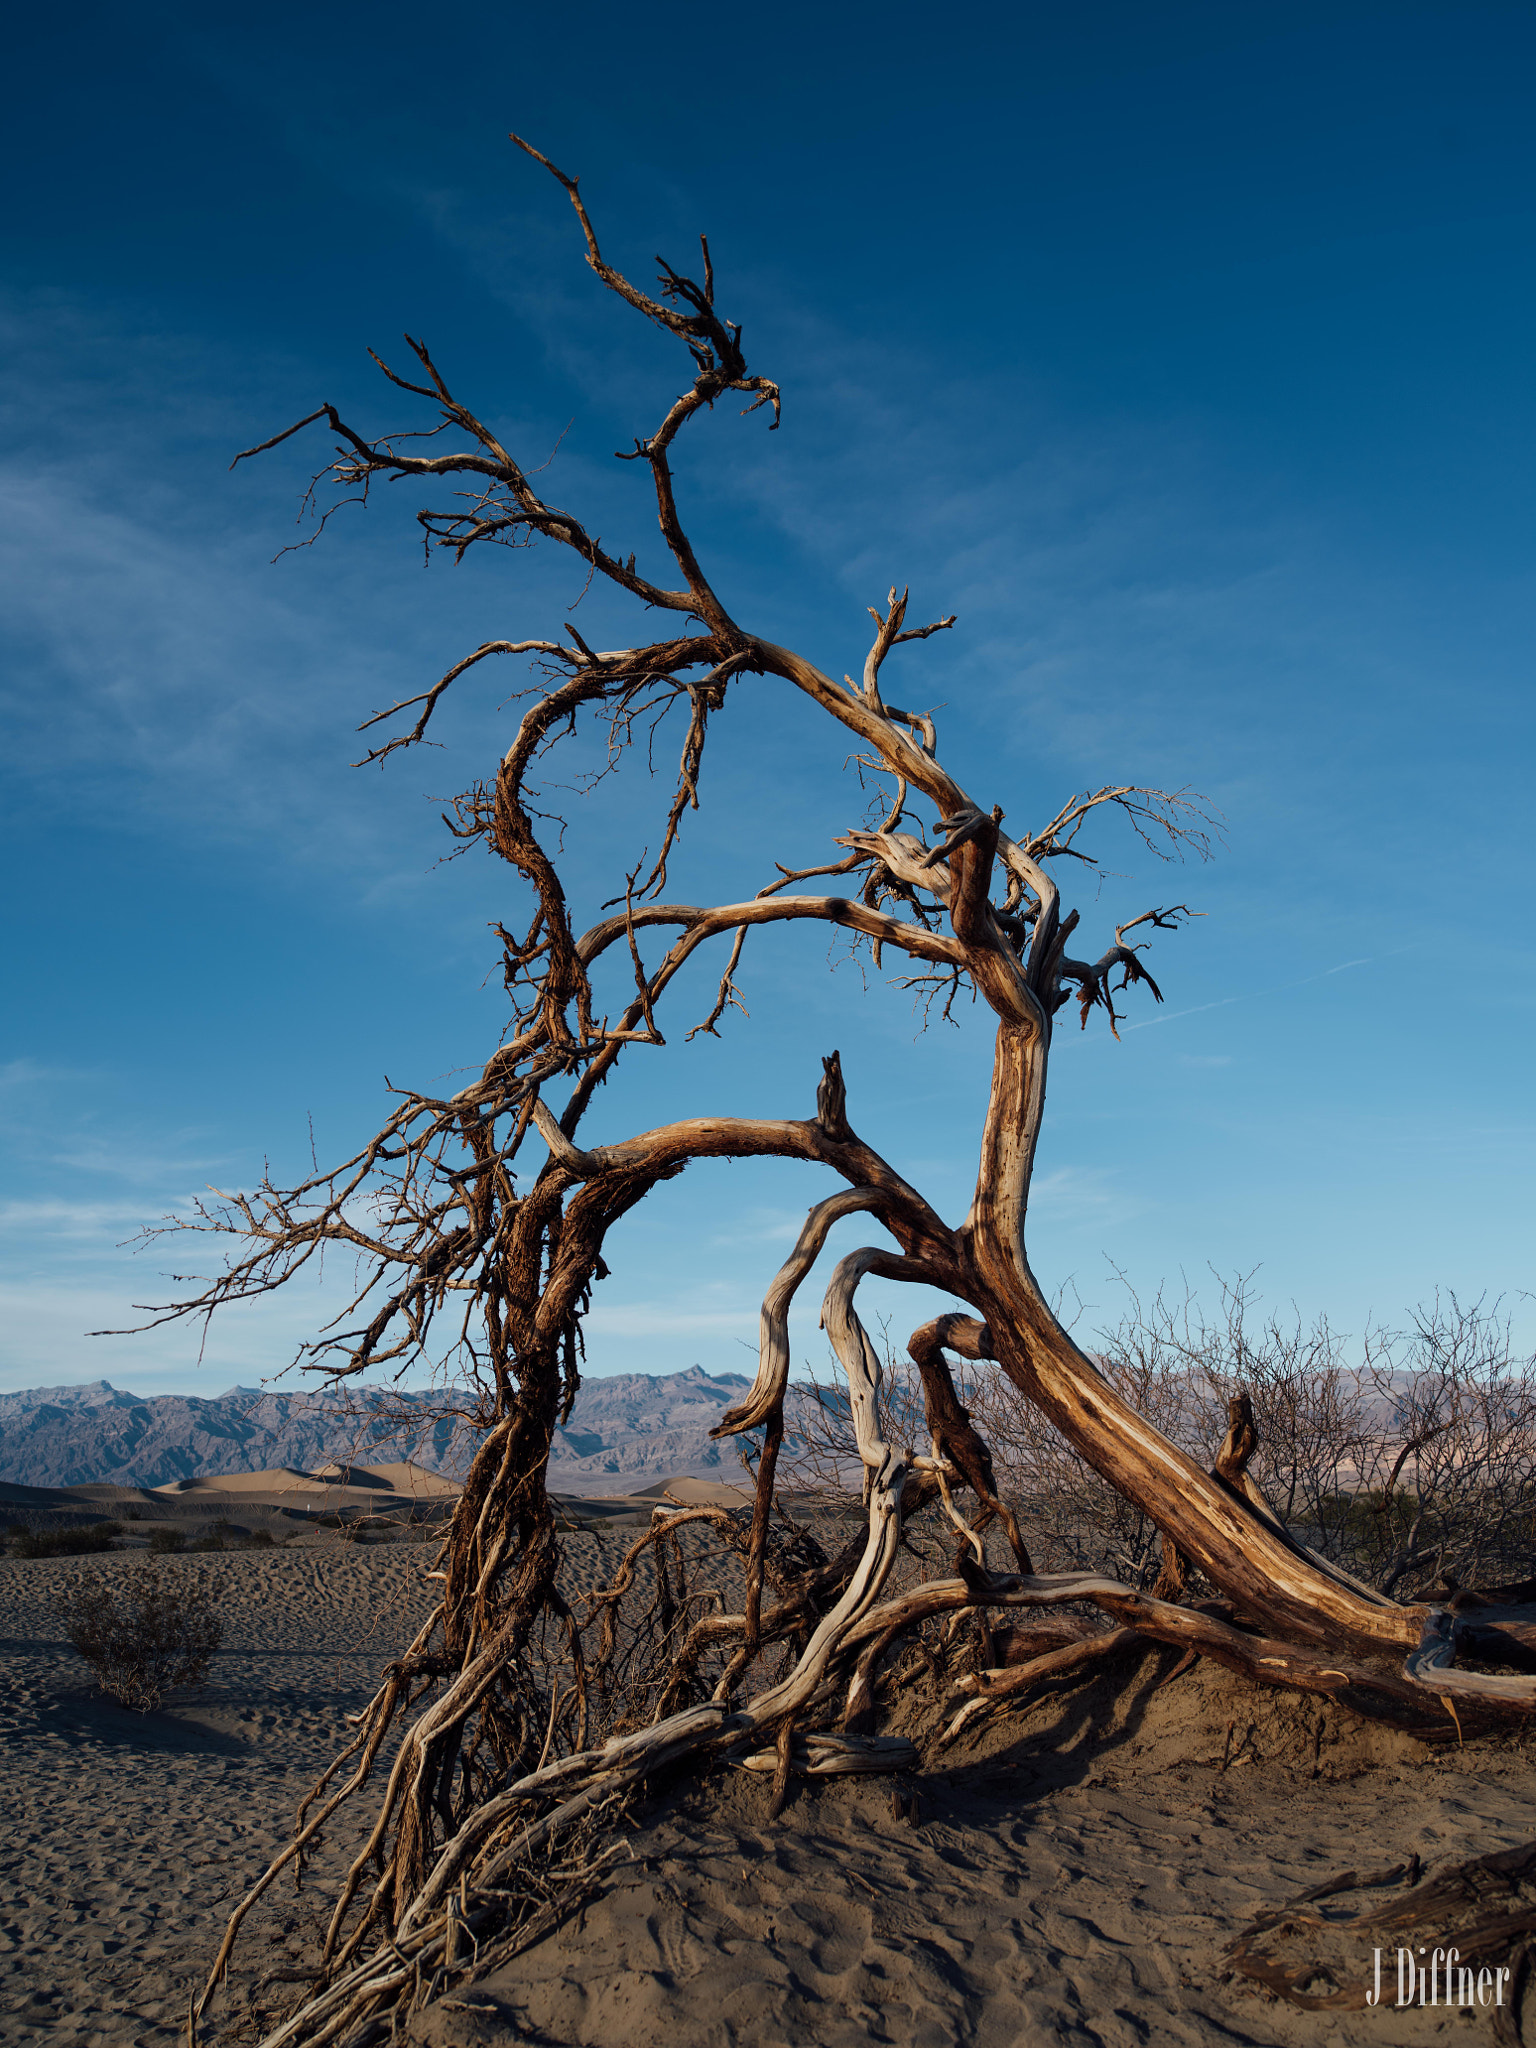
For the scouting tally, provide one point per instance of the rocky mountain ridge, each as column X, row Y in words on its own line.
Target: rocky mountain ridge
column 632, row 1427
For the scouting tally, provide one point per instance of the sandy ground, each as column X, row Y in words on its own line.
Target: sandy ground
column 1072, row 1875
column 127, row 1836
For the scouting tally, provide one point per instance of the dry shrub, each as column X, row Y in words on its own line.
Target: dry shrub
column 1446, row 1494
column 1411, row 1460
column 142, row 1639
column 84, row 1542
column 1071, row 1519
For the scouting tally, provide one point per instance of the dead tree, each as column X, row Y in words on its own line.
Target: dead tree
column 465, row 1243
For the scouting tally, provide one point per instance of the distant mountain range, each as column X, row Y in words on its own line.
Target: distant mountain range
column 632, row 1428
column 646, row 1427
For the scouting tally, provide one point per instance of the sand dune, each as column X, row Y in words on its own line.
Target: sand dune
column 272, row 1501
column 693, row 1492
column 400, row 1477
column 282, row 1479
column 128, row 1836
column 1073, row 1874
column 403, row 1477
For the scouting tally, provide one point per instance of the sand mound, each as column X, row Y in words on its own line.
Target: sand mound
column 129, row 1836
column 1136, row 1725
column 12, row 1495
column 281, row 1479
column 401, row 1477
column 697, row 1493
column 1072, row 1875
column 404, row 1477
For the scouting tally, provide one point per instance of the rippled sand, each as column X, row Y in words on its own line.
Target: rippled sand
column 1073, row 1875
column 126, row 1836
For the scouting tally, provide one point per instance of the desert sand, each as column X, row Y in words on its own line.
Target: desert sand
column 1073, row 1873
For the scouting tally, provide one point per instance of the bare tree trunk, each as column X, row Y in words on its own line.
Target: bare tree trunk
column 504, row 1748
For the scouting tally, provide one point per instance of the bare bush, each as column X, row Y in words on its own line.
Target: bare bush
column 142, row 1639
column 1074, row 1521
column 1311, row 1409
column 1447, row 1491
column 1413, row 1467
column 83, row 1542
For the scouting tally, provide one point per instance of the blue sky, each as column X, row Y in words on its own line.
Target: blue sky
column 1184, row 352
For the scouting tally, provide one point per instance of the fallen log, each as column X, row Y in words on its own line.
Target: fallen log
column 1415, row 1705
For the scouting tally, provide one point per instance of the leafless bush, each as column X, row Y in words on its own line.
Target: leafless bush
column 95, row 1537
column 1075, row 1521
column 1313, row 1412
column 142, row 1638
column 1447, row 1492
column 1413, row 1466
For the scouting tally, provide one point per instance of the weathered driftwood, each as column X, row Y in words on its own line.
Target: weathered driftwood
column 832, row 1756
column 1433, row 1663
column 1481, row 1912
column 1373, row 1690
column 996, row 1688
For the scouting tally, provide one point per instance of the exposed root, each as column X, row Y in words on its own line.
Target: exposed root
column 477, row 1930
column 831, row 1756
column 1468, row 1923
column 1373, row 1691
column 994, row 1689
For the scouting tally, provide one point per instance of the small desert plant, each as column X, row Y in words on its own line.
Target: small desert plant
column 259, row 1539
column 141, row 1639
column 133, row 1515
column 167, row 1540
column 66, row 1542
column 212, row 1541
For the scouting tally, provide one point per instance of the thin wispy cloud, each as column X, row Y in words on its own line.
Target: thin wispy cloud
column 1254, row 994
column 762, row 1226
column 89, row 1222
column 1160, row 470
